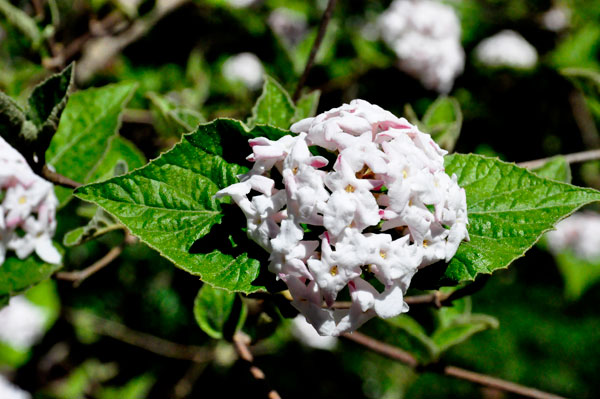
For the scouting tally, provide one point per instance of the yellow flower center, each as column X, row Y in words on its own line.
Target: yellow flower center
column 334, row 271
column 22, row 200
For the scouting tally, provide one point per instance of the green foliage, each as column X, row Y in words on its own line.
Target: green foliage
column 306, row 106
column 89, row 123
column 588, row 82
column 453, row 325
column 579, row 49
column 101, row 223
column 136, row 388
column 274, row 106
column 579, row 274
column 171, row 120
column 23, row 22
column 31, row 131
column 215, row 308
column 557, row 168
column 169, row 203
column 443, row 121
column 18, row 275
column 509, row 208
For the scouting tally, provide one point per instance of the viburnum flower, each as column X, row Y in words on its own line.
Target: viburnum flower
column 381, row 211
column 27, row 209
column 425, row 35
column 10, row 391
column 579, row 233
column 21, row 323
column 245, row 68
column 506, row 49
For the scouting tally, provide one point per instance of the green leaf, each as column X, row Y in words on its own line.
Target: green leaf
column 90, row 120
column 212, row 309
column 169, row 205
column 12, row 120
column 411, row 336
column 100, row 224
column 579, row 274
column 49, row 98
column 579, row 48
column 509, row 208
column 274, row 107
column 119, row 149
column 306, row 106
column 443, row 120
column 557, row 168
column 18, row 275
column 21, row 21
column 172, row 120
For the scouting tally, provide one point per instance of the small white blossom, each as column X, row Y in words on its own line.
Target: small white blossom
column 27, row 209
column 10, row 391
column 556, row 19
column 245, row 68
column 579, row 233
column 425, row 35
column 307, row 334
column 382, row 210
column 21, row 323
column 506, row 49
column 241, row 3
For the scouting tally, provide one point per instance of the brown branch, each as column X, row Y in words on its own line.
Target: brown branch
column 58, row 179
column 240, row 343
column 487, row 381
column 78, row 276
column 315, row 47
column 576, row 157
column 148, row 342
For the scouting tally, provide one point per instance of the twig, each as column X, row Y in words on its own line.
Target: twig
column 240, row 343
column 58, row 179
column 398, row 354
column 577, row 157
column 78, row 276
column 139, row 116
column 143, row 340
column 315, row 47
column 584, row 120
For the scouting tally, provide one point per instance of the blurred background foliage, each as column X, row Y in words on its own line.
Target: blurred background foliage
column 547, row 324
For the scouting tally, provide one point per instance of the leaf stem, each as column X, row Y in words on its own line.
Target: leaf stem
column 485, row 380
column 59, row 179
column 577, row 157
column 315, row 48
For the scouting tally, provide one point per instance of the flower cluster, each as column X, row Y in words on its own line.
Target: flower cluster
column 22, row 323
column 579, row 233
column 27, row 209
column 506, row 49
column 384, row 209
column 425, row 35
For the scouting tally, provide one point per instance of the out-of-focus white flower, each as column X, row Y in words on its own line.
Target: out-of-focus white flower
column 506, row 49
column 556, row 19
column 579, row 233
column 382, row 210
column 288, row 24
column 241, row 3
column 307, row 335
column 21, row 323
column 10, row 391
column 245, row 68
column 27, row 210
column 425, row 35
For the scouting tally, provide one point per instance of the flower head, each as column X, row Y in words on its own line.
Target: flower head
column 27, row 209
column 381, row 211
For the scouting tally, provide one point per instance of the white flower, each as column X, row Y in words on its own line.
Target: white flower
column 10, row 391
column 245, row 68
column 27, row 210
column 579, row 233
column 307, row 334
column 384, row 209
column 425, row 35
column 506, row 49
column 556, row 19
column 241, row 3
column 21, row 323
